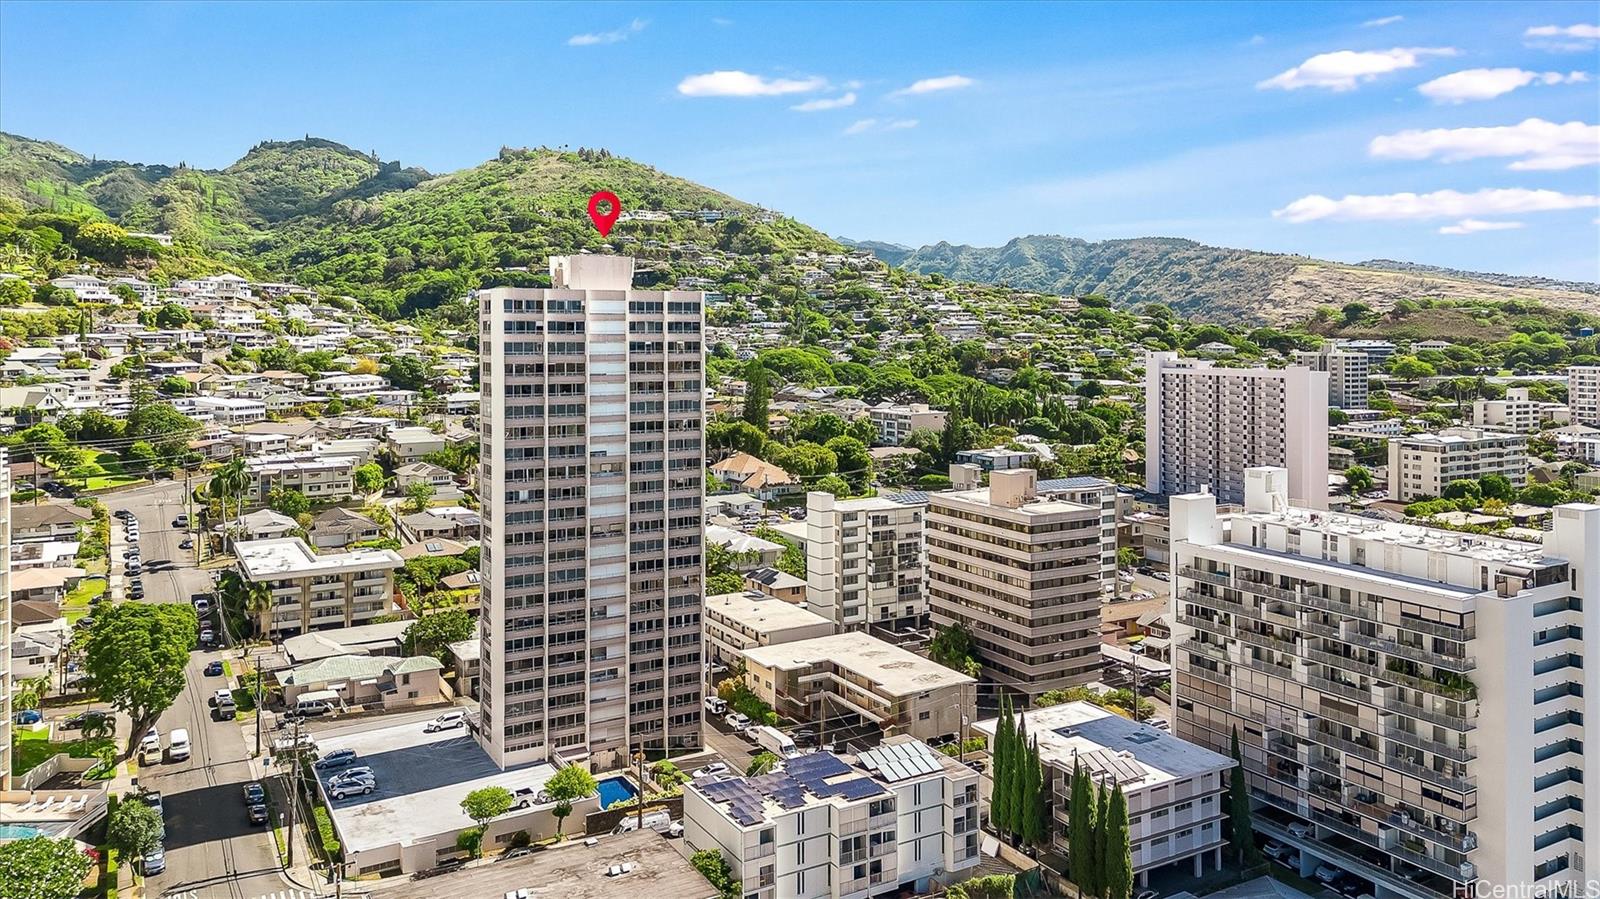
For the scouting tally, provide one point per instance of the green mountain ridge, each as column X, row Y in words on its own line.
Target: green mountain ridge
column 1215, row 283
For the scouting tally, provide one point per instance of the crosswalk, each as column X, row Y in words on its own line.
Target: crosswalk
column 291, row 894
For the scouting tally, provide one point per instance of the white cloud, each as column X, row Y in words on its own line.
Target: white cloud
column 721, row 22
column 1379, row 23
column 607, row 37
column 1486, row 84
column 1473, row 226
column 862, row 126
column 1345, row 70
column 822, row 103
column 744, row 84
column 1562, row 39
column 1256, row 40
column 934, row 85
column 1535, row 144
column 1439, row 204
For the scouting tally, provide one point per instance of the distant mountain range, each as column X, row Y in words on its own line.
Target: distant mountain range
column 1214, row 283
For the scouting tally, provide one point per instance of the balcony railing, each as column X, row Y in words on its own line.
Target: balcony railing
column 1443, row 719
column 1449, row 751
column 1458, row 783
column 1460, row 841
column 1421, row 860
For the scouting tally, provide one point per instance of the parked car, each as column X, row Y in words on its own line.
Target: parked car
column 1327, row 874
column 257, row 814
column 134, row 568
column 28, row 716
column 1298, row 829
column 357, row 787
column 178, row 747
column 88, row 719
column 188, row 543
column 359, row 772
column 254, row 793
column 182, row 521
column 122, row 513
column 214, row 668
column 447, row 721
column 154, row 861
column 716, row 705
column 207, row 635
column 152, row 798
column 337, row 759
column 737, row 720
column 1162, row 576
column 1275, row 850
column 712, row 770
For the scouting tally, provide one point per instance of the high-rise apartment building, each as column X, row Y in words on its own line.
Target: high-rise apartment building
column 1022, row 570
column 592, row 474
column 1348, row 373
column 864, row 561
column 1204, row 426
column 1583, row 394
column 1411, row 702
column 1422, row 464
column 5, row 622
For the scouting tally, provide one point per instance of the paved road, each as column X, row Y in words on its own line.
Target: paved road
column 156, row 507
column 213, row 852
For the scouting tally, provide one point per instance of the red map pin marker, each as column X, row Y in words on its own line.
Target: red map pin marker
column 604, row 220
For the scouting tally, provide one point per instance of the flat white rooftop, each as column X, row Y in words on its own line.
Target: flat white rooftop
column 762, row 613
column 290, row 557
column 1490, row 549
column 422, row 779
column 1076, row 729
column 981, row 497
column 898, row 671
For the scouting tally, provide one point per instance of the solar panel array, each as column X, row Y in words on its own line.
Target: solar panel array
column 901, row 761
column 813, row 770
column 744, row 804
column 1104, row 761
column 746, row 797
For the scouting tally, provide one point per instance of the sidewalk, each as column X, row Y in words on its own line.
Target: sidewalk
column 308, row 872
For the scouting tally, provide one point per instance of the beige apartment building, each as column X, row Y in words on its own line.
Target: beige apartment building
column 593, row 465
column 1422, row 464
column 1517, row 412
column 314, row 592
column 865, row 562
column 1583, row 394
column 1410, row 702
column 1348, row 373
column 320, row 477
column 838, row 680
column 895, row 422
column 1022, row 571
column 735, row 622
column 1204, row 426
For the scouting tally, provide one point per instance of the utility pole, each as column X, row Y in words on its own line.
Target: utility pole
column 962, row 756
column 257, row 674
column 294, row 787
column 1137, row 651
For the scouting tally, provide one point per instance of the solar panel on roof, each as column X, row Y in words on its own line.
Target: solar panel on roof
column 860, row 788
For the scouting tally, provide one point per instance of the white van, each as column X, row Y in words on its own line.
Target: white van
column 312, row 707
column 775, row 741
column 716, row 705
column 178, row 744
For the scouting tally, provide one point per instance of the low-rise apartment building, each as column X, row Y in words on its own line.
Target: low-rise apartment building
column 735, row 622
column 311, row 591
column 892, row 820
column 865, row 561
column 896, row 422
column 1410, row 702
column 1176, row 790
column 852, row 675
column 1022, row 571
column 322, row 478
column 1422, row 464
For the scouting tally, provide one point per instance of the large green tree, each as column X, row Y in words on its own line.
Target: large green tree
column 134, row 828
column 952, row 647
column 1081, row 830
column 135, row 658
column 42, row 868
column 566, row 787
column 484, row 805
column 432, row 633
column 757, row 395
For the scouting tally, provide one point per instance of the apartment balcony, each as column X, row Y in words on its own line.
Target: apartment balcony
column 1256, row 638
column 1344, row 744
column 1443, row 719
column 1445, row 750
column 1340, row 688
column 1457, row 783
column 1435, row 629
column 849, row 887
column 888, row 848
column 1346, row 663
column 1387, row 816
column 850, row 857
column 1465, row 871
column 1463, row 690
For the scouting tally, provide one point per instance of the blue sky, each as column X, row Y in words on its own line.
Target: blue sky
column 1289, row 127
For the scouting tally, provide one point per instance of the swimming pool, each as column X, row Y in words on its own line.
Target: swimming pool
column 616, row 789
column 19, row 832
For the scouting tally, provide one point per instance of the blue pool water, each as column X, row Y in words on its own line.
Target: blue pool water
column 18, row 832
column 616, row 789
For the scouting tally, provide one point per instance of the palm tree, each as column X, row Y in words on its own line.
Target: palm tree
column 258, row 603
column 230, row 478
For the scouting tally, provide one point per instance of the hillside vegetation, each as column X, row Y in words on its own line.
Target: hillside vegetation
column 1214, row 283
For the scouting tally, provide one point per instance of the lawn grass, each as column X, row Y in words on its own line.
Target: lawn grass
column 108, row 472
column 29, row 748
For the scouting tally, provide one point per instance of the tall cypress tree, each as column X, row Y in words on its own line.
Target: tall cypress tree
column 1102, row 817
column 1037, row 829
column 1000, row 793
column 1080, row 829
column 1242, row 832
column 1018, row 781
column 1118, row 857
